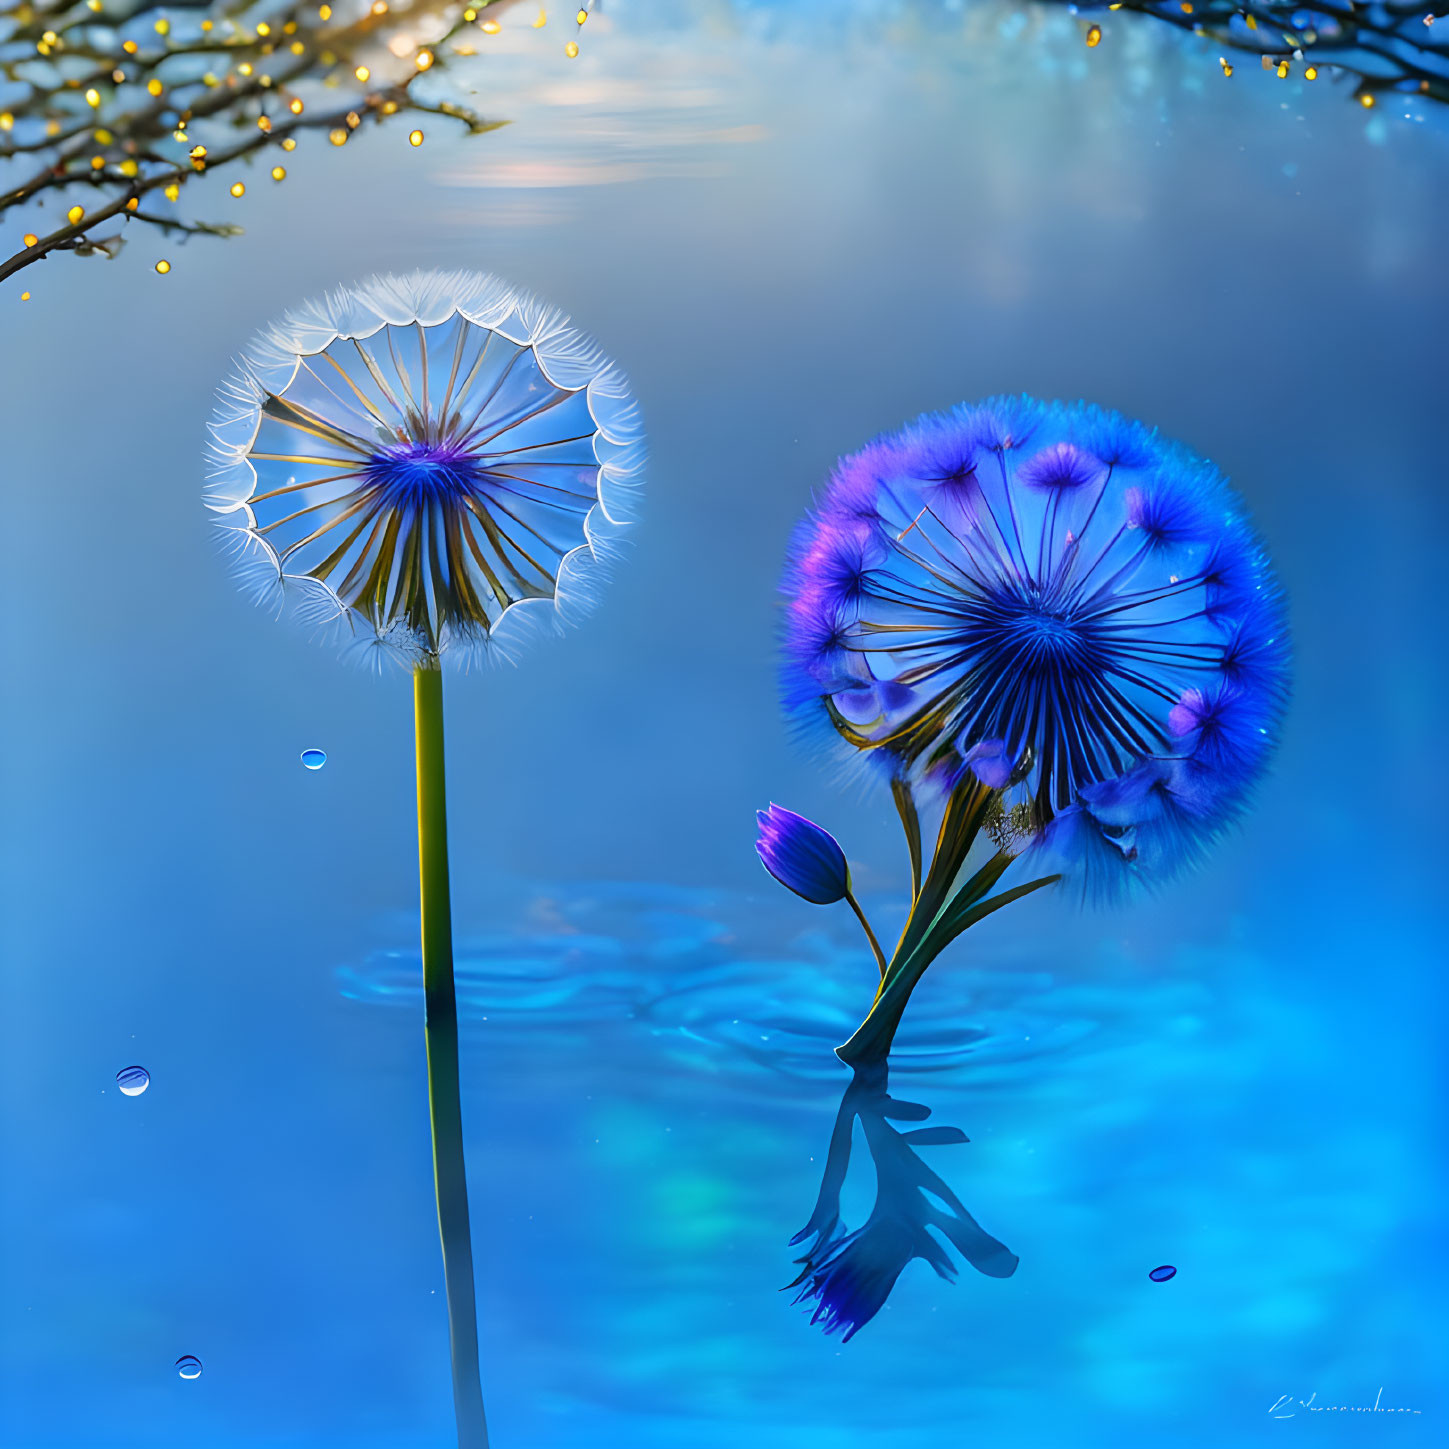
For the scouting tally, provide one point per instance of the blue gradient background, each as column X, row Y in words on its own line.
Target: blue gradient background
column 794, row 226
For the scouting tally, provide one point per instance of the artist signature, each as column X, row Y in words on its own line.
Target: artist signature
column 1287, row 1407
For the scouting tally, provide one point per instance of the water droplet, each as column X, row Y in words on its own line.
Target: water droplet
column 189, row 1366
column 314, row 759
column 133, row 1080
column 1162, row 1274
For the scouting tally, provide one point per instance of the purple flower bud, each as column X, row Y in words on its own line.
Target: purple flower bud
column 802, row 856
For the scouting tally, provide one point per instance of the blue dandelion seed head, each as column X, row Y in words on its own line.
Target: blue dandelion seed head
column 1058, row 600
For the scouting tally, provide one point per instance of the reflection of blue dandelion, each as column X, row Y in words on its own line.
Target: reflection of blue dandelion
column 1053, row 620
column 849, row 1274
column 430, row 464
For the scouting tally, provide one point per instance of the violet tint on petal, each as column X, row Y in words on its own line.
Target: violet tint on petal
column 990, row 763
column 1062, row 466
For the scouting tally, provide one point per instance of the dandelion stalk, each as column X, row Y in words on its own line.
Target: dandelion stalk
column 872, row 1039
column 445, row 1106
column 430, row 469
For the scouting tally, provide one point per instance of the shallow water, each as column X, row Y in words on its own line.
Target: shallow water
column 794, row 226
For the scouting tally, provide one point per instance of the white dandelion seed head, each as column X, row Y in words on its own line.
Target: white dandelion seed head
column 430, row 464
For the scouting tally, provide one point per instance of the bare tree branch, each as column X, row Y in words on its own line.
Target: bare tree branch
column 101, row 111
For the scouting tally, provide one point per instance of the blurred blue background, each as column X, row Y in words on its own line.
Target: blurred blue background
column 794, row 225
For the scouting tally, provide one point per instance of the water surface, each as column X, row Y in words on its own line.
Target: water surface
column 794, row 226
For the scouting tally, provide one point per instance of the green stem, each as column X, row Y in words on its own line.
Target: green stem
column 911, row 823
column 449, row 1175
column 872, row 1039
column 959, row 823
column 876, row 951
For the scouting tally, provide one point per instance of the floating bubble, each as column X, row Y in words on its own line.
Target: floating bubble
column 314, row 759
column 189, row 1366
column 133, row 1080
column 1162, row 1274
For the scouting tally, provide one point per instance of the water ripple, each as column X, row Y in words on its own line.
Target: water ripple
column 724, row 982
